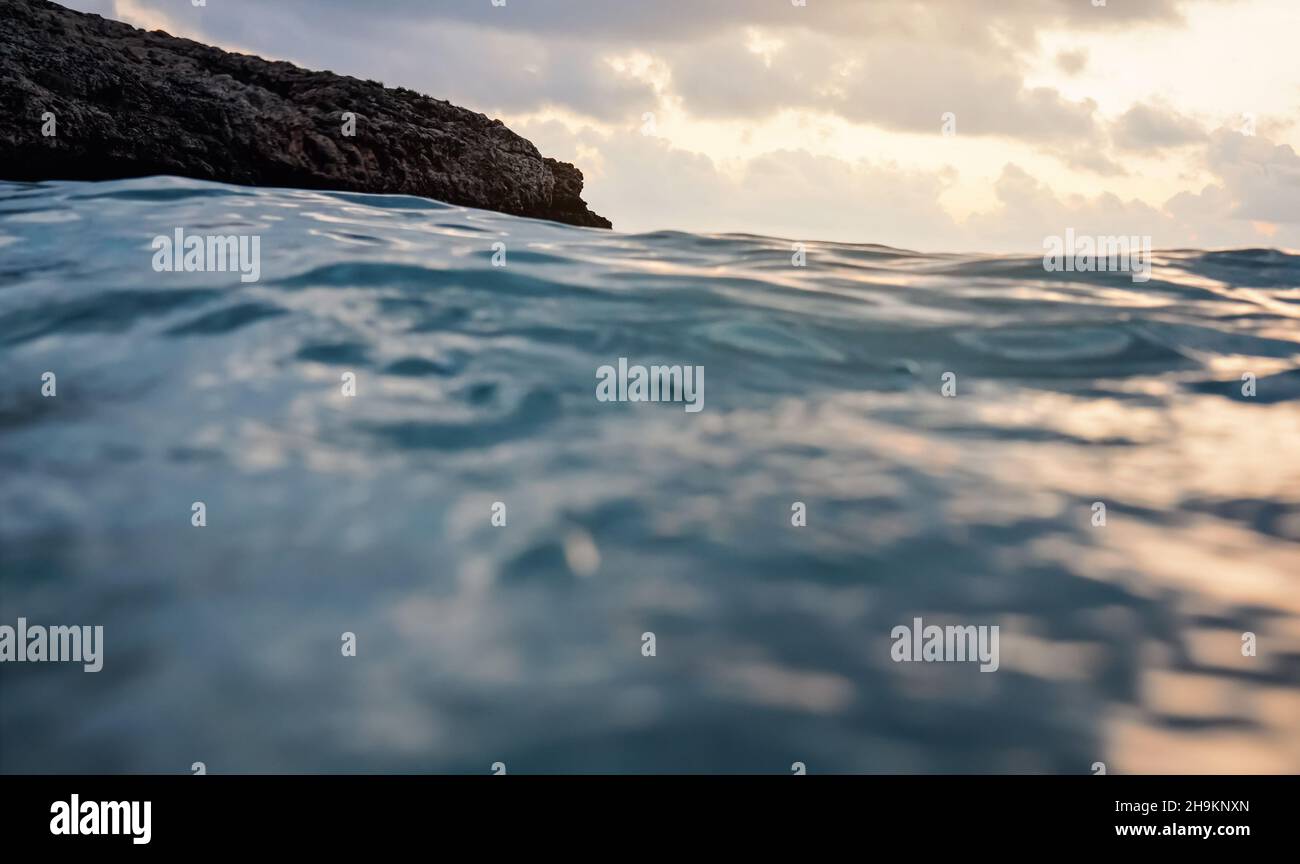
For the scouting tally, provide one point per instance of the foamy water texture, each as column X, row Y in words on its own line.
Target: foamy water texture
column 523, row 644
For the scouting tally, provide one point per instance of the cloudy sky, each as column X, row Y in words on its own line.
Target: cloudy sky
column 1178, row 119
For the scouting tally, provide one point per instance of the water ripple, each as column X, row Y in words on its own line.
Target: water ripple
column 517, row 637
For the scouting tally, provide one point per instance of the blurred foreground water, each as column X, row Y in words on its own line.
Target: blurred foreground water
column 522, row 644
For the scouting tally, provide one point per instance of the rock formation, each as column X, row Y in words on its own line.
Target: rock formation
column 130, row 103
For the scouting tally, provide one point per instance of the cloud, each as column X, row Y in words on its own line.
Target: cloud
column 889, row 69
column 894, row 63
column 1262, row 179
column 782, row 193
column 899, row 84
column 1144, row 127
column 800, row 195
column 677, row 20
column 1072, row 62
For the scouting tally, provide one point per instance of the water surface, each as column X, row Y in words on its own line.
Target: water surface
column 522, row 644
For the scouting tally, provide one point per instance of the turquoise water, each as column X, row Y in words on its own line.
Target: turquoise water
column 522, row 643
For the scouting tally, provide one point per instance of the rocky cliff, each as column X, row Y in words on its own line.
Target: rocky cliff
column 122, row 102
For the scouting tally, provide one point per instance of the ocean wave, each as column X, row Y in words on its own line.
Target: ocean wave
column 476, row 384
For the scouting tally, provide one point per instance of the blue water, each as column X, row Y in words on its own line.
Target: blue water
column 523, row 644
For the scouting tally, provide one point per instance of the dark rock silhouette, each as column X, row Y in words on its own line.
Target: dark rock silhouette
column 130, row 103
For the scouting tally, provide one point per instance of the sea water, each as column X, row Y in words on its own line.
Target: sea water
column 425, row 544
